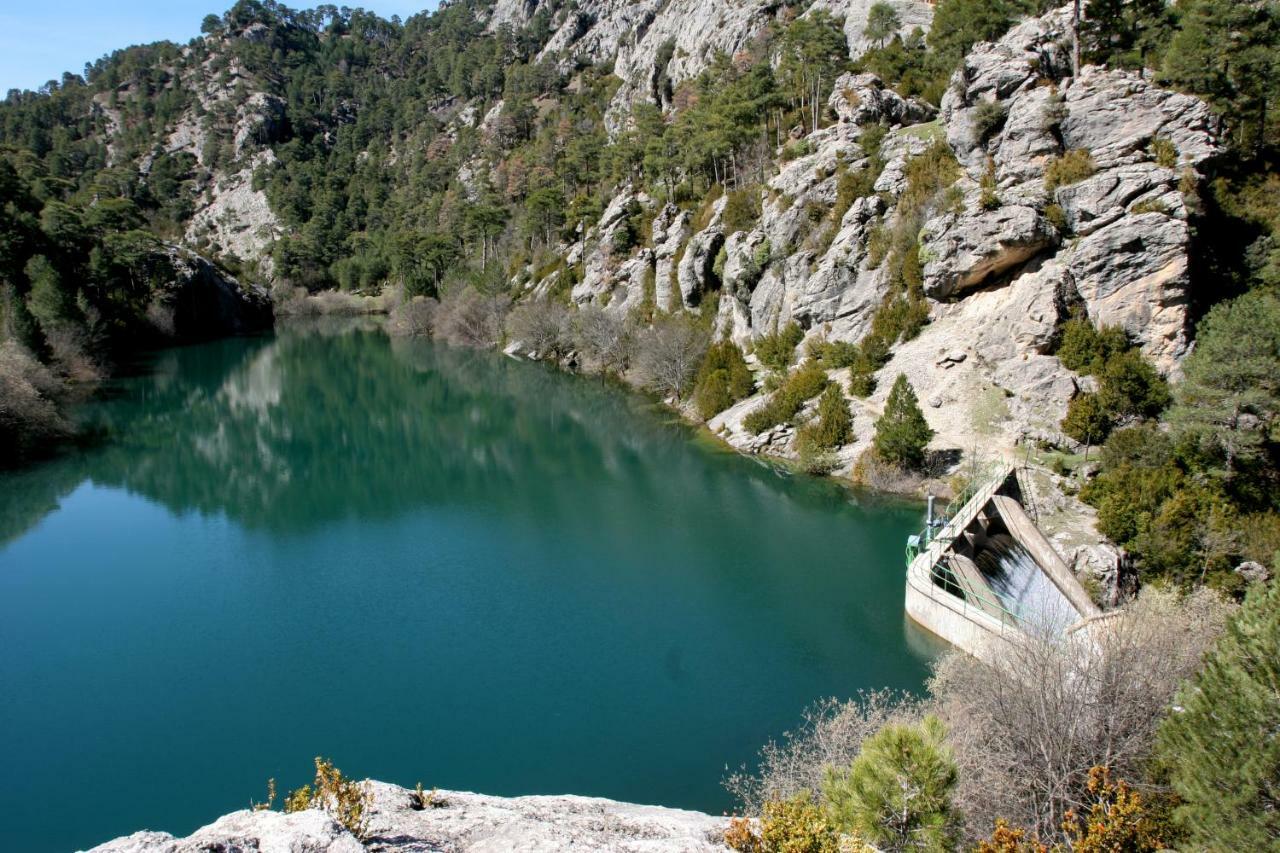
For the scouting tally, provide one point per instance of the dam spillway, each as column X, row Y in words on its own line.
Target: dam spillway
column 987, row 572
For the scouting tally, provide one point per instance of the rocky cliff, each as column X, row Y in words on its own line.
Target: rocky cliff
column 454, row 822
column 675, row 40
column 1002, row 268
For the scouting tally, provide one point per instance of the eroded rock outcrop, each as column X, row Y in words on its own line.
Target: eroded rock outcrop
column 455, row 822
column 198, row 300
column 966, row 250
column 1006, row 254
column 657, row 44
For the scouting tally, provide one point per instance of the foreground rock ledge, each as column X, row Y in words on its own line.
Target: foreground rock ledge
column 461, row 822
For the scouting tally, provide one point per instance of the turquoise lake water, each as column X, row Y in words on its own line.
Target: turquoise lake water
column 428, row 564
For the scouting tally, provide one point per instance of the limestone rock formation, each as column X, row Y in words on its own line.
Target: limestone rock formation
column 455, row 822
column 1002, row 268
column 969, row 249
column 199, row 300
column 657, row 44
column 914, row 14
column 1134, row 273
column 863, row 98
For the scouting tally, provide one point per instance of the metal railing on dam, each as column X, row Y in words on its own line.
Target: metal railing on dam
column 985, row 572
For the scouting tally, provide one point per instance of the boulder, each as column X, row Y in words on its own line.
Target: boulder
column 1253, row 572
column 862, row 99
column 965, row 250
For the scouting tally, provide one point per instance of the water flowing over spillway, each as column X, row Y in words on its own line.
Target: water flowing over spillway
column 1022, row 587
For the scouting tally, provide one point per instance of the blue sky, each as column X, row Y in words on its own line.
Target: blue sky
column 39, row 39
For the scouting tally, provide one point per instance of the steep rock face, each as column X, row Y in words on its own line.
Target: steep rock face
column 201, row 301
column 457, row 822
column 1136, row 273
column 610, row 278
column 965, row 250
column 1005, row 256
column 230, row 217
column 670, row 233
column 657, row 41
column 914, row 14
column 1002, row 280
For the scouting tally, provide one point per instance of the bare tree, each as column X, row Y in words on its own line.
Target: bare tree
column 1027, row 726
column 1075, row 39
column 470, row 318
column 669, row 354
column 29, row 414
column 415, row 318
column 542, row 326
column 604, row 339
column 830, row 735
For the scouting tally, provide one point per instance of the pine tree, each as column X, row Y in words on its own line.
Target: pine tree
column 1229, row 401
column 902, row 433
column 897, row 793
column 883, row 22
column 1226, row 50
column 1221, row 743
column 835, row 425
column 1087, row 420
column 1126, row 32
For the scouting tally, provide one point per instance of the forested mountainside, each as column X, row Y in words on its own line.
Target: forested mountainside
column 1049, row 230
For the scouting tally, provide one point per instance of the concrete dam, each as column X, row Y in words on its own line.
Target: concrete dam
column 988, row 573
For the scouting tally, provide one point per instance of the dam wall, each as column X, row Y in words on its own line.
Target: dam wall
column 987, row 575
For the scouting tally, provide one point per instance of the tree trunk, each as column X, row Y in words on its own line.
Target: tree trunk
column 1075, row 40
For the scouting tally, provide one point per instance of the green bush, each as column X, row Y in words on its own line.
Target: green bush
column 1071, row 168
column 835, row 354
column 1164, row 152
column 1057, row 216
column 723, row 379
column 878, row 245
column 1085, row 349
column 776, row 351
column 988, row 118
column 803, row 385
column 862, row 383
column 741, row 210
column 796, row 825
column 1088, row 421
column 989, row 198
column 1131, row 387
column 1153, row 205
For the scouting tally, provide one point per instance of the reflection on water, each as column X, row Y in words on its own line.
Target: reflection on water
column 432, row 564
column 279, row 434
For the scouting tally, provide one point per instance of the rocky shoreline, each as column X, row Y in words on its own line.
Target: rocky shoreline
column 451, row 821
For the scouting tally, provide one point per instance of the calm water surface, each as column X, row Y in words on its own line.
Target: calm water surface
column 429, row 564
